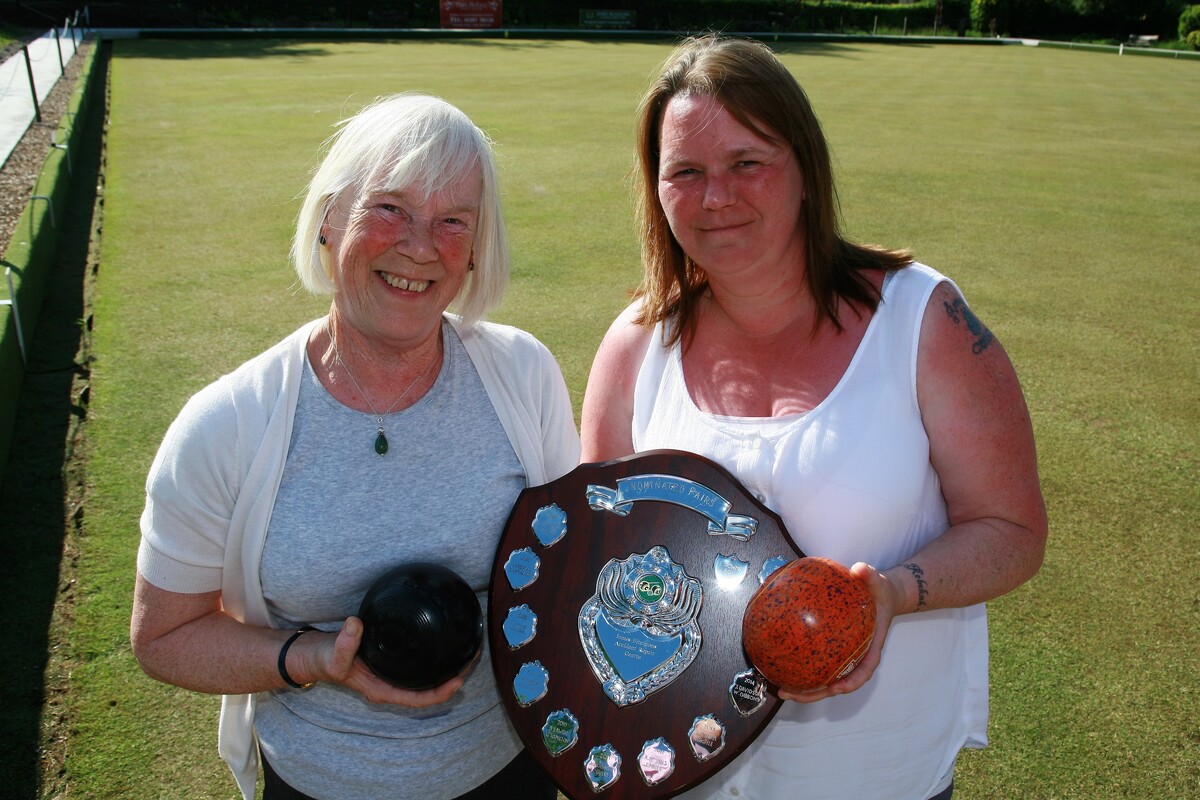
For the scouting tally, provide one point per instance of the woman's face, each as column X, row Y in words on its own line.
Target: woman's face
column 731, row 197
column 400, row 258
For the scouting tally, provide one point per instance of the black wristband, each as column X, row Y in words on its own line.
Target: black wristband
column 283, row 673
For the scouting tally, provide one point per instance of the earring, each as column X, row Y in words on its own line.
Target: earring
column 471, row 266
column 322, row 239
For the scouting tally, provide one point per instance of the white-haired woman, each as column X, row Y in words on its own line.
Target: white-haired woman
column 387, row 431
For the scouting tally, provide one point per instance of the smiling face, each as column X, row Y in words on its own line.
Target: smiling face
column 731, row 197
column 401, row 257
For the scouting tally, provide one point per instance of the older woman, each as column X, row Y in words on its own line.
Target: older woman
column 387, row 431
column 851, row 389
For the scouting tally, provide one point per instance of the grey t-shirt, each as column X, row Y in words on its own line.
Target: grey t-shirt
column 343, row 516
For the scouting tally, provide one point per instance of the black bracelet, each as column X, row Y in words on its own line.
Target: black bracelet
column 283, row 673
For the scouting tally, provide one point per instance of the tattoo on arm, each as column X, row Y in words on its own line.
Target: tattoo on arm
column 922, row 587
column 961, row 312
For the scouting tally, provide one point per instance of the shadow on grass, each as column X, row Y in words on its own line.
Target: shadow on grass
column 176, row 47
column 38, row 512
column 265, row 43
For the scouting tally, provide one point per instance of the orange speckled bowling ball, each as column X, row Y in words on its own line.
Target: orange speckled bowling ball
column 808, row 624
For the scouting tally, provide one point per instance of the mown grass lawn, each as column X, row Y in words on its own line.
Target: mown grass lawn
column 1057, row 188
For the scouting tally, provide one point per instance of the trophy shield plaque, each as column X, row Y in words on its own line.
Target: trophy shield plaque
column 615, row 622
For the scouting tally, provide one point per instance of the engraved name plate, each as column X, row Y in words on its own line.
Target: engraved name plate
column 656, row 762
column 520, row 626
column 603, row 767
column 706, row 737
column 522, row 568
column 550, row 524
column 531, row 683
column 560, row 733
column 748, row 691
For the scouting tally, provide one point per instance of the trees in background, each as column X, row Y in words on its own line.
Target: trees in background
column 1113, row 20
column 1117, row 20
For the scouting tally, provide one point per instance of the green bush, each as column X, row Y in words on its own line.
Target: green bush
column 1025, row 18
column 789, row 16
column 1189, row 21
column 1193, row 40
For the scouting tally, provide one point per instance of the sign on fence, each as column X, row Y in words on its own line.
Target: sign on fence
column 605, row 18
column 472, row 13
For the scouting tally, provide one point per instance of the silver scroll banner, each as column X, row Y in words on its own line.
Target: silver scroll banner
column 681, row 492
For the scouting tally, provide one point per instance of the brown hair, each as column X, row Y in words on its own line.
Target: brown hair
column 750, row 81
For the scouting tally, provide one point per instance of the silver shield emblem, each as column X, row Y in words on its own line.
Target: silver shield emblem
column 603, row 767
column 656, row 762
column 522, row 568
column 549, row 524
column 730, row 571
column 639, row 630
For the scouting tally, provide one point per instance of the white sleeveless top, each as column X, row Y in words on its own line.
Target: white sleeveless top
column 852, row 481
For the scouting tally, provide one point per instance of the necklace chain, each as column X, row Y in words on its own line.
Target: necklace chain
column 381, row 442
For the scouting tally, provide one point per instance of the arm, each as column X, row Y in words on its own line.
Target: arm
column 981, row 445
column 606, row 427
column 187, row 640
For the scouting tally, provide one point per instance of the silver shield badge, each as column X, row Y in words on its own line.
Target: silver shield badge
column 639, row 630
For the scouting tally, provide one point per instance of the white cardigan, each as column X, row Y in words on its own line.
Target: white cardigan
column 226, row 453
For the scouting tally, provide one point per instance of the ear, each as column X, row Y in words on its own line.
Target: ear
column 326, row 229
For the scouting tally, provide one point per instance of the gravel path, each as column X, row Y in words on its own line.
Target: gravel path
column 20, row 171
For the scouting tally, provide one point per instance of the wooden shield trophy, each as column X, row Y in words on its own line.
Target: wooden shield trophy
column 615, row 623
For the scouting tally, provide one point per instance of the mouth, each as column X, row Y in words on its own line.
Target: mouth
column 723, row 227
column 397, row 282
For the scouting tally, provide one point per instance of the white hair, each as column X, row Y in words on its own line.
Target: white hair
column 407, row 141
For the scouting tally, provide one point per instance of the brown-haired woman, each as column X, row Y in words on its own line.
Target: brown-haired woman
column 851, row 389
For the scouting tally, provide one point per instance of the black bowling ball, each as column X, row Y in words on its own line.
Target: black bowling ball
column 422, row 625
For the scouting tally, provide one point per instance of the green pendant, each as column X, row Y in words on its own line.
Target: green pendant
column 381, row 446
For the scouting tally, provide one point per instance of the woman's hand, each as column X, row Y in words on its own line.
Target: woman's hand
column 333, row 658
column 889, row 600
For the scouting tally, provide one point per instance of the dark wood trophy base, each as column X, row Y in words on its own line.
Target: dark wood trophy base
column 615, row 623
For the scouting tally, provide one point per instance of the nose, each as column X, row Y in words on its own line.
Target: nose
column 718, row 192
column 416, row 241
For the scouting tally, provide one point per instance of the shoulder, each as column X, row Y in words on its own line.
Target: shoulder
column 620, row 355
column 950, row 326
column 626, row 341
column 915, row 281
column 961, row 364
column 607, row 416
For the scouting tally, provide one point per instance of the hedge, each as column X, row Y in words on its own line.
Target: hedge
column 1189, row 21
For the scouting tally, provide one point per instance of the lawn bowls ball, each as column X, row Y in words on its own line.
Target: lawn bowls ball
column 808, row 624
column 422, row 624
